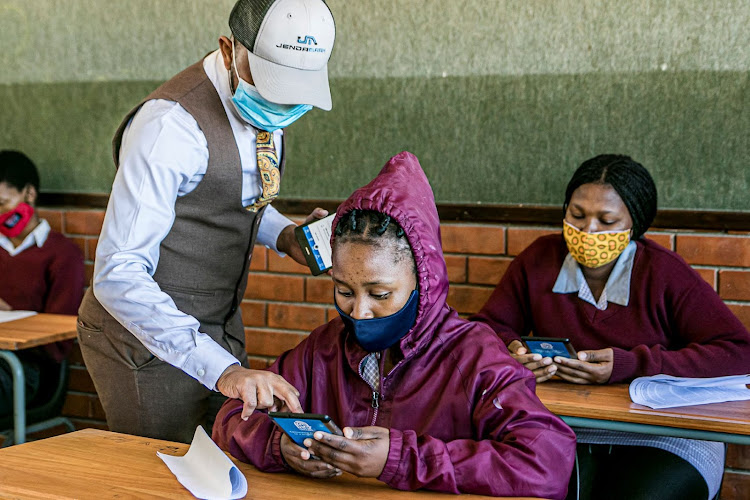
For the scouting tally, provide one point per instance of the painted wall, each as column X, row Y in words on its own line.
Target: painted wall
column 501, row 100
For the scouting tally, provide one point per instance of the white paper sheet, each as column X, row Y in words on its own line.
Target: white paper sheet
column 665, row 391
column 6, row 316
column 206, row 471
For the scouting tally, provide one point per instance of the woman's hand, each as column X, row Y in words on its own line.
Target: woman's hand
column 361, row 451
column 543, row 368
column 299, row 459
column 591, row 367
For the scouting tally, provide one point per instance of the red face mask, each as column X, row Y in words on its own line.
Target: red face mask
column 13, row 222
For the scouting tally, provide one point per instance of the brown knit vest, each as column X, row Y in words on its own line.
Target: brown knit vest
column 203, row 261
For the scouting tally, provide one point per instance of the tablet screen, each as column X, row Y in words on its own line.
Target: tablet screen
column 548, row 348
column 318, row 236
column 299, row 429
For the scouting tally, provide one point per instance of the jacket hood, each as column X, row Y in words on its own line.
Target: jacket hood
column 402, row 191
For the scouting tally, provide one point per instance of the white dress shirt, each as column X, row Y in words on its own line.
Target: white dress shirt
column 164, row 155
column 616, row 290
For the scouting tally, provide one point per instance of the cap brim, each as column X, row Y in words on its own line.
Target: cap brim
column 285, row 85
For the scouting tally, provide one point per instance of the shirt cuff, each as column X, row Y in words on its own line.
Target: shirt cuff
column 207, row 362
column 271, row 226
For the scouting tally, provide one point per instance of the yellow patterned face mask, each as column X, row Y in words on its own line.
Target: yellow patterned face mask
column 594, row 249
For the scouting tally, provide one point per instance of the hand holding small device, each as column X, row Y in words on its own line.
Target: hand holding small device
column 538, row 361
column 549, row 347
column 362, row 451
column 300, row 426
column 287, row 241
column 301, row 460
column 315, row 240
column 591, row 367
column 297, row 427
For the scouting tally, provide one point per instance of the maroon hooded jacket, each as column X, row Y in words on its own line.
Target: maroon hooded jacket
column 462, row 414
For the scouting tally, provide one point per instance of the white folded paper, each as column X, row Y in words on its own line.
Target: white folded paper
column 14, row 315
column 666, row 391
column 206, row 471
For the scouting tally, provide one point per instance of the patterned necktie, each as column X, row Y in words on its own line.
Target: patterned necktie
column 268, row 166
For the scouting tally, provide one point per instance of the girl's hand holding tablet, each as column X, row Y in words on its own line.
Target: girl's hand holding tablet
column 591, row 367
column 542, row 367
column 361, row 451
column 299, row 459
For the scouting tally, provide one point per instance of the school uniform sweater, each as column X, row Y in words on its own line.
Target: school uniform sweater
column 674, row 323
column 667, row 319
column 47, row 278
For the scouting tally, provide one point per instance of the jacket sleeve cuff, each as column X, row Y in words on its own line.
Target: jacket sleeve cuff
column 276, row 449
column 390, row 470
column 624, row 365
column 507, row 337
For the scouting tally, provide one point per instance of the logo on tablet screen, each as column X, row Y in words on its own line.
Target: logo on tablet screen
column 303, row 426
column 546, row 345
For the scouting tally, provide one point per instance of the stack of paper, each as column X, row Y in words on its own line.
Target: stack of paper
column 666, row 391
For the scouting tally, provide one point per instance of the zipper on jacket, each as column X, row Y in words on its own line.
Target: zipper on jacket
column 375, row 405
column 376, row 395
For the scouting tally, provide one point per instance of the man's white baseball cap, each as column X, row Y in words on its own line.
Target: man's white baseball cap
column 289, row 43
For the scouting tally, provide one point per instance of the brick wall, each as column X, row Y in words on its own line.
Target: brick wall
column 284, row 302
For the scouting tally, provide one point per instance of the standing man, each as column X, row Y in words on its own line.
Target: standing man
column 199, row 161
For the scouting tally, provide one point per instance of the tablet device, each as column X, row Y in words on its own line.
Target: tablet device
column 300, row 426
column 549, row 347
column 315, row 240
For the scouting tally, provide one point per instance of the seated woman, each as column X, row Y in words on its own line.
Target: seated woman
column 630, row 308
column 40, row 270
column 430, row 400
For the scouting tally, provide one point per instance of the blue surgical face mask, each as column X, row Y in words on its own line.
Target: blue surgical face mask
column 259, row 112
column 378, row 334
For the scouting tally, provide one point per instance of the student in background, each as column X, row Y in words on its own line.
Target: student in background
column 40, row 269
column 430, row 400
column 630, row 308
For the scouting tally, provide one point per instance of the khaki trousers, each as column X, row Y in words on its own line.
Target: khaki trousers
column 141, row 394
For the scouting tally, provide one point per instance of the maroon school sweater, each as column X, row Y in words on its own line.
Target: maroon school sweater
column 674, row 323
column 46, row 279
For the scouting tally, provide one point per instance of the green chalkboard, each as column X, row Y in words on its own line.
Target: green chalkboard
column 500, row 100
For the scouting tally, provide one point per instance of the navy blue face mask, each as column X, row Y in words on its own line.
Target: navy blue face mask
column 378, row 334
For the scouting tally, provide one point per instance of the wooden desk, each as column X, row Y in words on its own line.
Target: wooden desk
column 100, row 464
column 609, row 407
column 24, row 333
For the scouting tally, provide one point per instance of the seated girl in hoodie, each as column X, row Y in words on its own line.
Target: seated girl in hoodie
column 430, row 400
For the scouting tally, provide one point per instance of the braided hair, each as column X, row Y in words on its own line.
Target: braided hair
column 629, row 178
column 372, row 227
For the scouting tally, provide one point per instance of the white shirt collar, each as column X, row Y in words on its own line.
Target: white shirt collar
column 617, row 289
column 38, row 236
